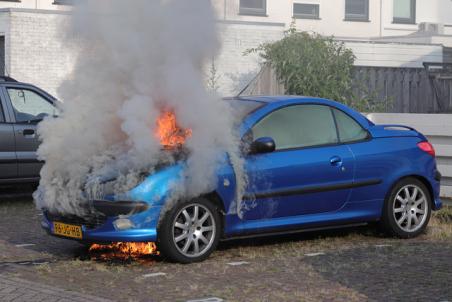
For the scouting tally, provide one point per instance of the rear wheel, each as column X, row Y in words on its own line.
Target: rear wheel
column 407, row 210
column 190, row 231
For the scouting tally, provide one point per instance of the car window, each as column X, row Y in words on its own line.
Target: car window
column 2, row 116
column 349, row 130
column 29, row 106
column 298, row 126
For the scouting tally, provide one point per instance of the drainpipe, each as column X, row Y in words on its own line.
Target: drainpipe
column 224, row 10
column 381, row 18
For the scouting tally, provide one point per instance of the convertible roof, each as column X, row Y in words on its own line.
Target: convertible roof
column 271, row 99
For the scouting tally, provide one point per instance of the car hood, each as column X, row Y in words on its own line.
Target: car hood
column 155, row 188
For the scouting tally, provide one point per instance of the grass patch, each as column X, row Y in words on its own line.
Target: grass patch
column 440, row 227
column 444, row 215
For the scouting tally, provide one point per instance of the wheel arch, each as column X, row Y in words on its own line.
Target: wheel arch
column 422, row 179
column 216, row 199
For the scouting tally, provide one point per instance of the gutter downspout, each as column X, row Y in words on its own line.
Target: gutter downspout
column 224, row 10
column 381, row 18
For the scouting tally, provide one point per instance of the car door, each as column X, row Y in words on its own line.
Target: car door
column 8, row 161
column 374, row 159
column 308, row 173
column 29, row 107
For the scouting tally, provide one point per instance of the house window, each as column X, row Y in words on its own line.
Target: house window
column 63, row 2
column 305, row 11
column 357, row 10
column 405, row 11
column 253, row 7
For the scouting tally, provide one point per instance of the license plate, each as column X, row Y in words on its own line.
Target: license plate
column 67, row 230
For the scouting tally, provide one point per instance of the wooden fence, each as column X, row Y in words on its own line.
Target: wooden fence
column 399, row 90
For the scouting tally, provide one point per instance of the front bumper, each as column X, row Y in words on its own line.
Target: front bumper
column 144, row 227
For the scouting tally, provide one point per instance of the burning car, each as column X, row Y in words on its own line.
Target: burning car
column 310, row 163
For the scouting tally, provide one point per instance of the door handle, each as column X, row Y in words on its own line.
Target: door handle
column 336, row 161
column 28, row 132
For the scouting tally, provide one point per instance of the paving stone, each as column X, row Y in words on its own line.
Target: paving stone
column 18, row 290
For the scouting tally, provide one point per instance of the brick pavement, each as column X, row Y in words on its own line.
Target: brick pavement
column 18, row 290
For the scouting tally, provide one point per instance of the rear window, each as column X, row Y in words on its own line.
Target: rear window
column 241, row 109
column 349, row 130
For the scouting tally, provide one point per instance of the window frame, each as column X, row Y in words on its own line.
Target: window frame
column 306, row 16
column 356, row 17
column 2, row 114
column 411, row 20
column 250, row 11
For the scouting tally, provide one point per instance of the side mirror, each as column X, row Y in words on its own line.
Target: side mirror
column 262, row 145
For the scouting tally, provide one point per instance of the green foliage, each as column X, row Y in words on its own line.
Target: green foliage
column 313, row 65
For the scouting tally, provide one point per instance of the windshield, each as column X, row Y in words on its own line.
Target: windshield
column 242, row 108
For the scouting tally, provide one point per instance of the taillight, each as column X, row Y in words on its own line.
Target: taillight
column 427, row 147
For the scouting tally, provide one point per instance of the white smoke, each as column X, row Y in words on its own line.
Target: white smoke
column 135, row 58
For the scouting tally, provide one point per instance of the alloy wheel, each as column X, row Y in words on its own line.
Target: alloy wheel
column 194, row 230
column 410, row 208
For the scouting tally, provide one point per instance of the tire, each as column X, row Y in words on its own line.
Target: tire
column 407, row 213
column 184, row 236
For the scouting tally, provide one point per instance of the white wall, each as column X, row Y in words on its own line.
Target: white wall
column 35, row 53
column 236, row 70
column 394, row 54
column 35, row 50
column 332, row 14
column 35, row 4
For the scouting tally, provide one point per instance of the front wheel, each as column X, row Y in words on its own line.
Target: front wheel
column 407, row 210
column 189, row 231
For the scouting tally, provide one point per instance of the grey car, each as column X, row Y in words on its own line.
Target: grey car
column 22, row 107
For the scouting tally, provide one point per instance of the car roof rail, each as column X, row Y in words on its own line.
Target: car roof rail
column 7, row 79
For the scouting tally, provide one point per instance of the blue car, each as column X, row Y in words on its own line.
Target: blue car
column 311, row 164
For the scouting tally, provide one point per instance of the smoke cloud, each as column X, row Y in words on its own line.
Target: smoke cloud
column 134, row 59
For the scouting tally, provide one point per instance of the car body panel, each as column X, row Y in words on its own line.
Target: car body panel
column 297, row 188
column 279, row 181
column 27, row 141
column 20, row 163
column 8, row 160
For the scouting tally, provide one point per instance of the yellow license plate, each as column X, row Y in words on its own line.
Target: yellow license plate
column 67, row 230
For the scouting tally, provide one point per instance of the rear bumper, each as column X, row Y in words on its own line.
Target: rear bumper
column 144, row 228
column 438, row 176
column 436, row 186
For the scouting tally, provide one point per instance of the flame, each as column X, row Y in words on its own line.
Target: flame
column 168, row 131
column 123, row 250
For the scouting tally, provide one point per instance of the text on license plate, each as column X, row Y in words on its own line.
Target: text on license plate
column 67, row 230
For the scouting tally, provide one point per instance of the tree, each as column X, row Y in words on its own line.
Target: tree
column 213, row 77
column 312, row 65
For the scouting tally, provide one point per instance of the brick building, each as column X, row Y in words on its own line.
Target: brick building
column 389, row 33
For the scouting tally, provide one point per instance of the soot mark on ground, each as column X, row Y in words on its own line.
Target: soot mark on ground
column 408, row 271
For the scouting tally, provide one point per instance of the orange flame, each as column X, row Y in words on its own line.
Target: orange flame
column 123, row 250
column 168, row 131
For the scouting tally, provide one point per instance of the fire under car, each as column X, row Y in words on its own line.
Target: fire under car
column 311, row 163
